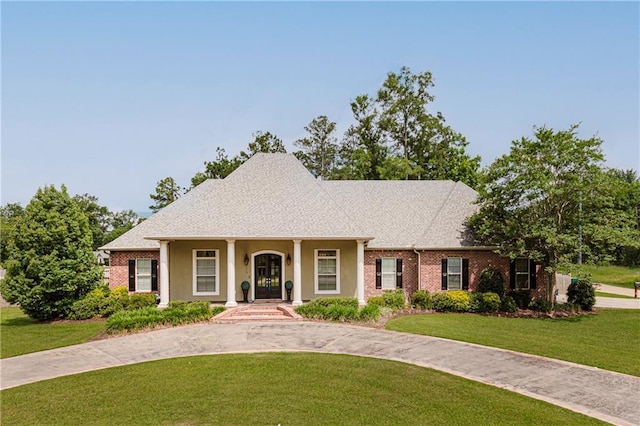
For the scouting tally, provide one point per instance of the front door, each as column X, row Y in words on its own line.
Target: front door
column 268, row 276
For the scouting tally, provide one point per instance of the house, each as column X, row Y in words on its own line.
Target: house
column 270, row 223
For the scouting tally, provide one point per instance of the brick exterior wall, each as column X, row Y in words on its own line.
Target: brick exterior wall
column 119, row 265
column 431, row 269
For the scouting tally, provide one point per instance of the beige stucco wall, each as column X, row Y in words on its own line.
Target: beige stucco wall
column 181, row 266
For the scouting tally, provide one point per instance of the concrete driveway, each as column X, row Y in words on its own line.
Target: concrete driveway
column 608, row 396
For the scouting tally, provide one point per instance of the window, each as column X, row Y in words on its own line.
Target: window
column 522, row 274
column 388, row 273
column 454, row 273
column 143, row 274
column 327, row 274
column 205, row 273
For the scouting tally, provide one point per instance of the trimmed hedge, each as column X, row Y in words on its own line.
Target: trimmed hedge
column 484, row 302
column 338, row 309
column 421, row 299
column 582, row 294
column 452, row 301
column 102, row 302
column 491, row 281
column 176, row 313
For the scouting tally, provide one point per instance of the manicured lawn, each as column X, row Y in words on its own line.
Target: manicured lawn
column 20, row 334
column 608, row 340
column 619, row 296
column 272, row 389
column 613, row 275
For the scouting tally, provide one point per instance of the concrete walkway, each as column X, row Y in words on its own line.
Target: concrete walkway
column 608, row 396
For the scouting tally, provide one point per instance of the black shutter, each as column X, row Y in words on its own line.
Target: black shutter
column 532, row 274
column 444, row 274
column 154, row 275
column 398, row 273
column 378, row 273
column 132, row 275
column 465, row 274
column 512, row 275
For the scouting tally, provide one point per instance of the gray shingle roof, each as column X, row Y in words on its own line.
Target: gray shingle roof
column 273, row 196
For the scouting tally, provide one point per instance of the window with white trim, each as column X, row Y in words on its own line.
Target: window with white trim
column 522, row 274
column 327, row 271
column 205, row 273
column 454, row 273
column 389, row 273
column 143, row 274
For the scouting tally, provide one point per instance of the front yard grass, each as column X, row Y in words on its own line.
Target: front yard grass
column 271, row 389
column 21, row 335
column 607, row 340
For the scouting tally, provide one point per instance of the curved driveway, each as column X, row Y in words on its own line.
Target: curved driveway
column 609, row 396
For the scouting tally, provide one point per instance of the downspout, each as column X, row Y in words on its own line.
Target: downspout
column 419, row 268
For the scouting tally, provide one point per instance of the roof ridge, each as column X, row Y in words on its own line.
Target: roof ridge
column 439, row 212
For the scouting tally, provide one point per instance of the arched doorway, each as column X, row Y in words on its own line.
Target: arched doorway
column 267, row 276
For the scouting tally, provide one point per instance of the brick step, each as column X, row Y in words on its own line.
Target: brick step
column 258, row 313
column 256, row 317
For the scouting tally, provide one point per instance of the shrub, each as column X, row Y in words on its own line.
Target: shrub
column 421, row 299
column 582, row 294
column 369, row 313
column 92, row 305
column 376, row 300
column 484, row 302
column 522, row 298
column 342, row 301
column 151, row 316
column 491, row 281
column 452, row 301
column 566, row 307
column 394, row 299
column 508, row 304
column 541, row 305
column 142, row 300
column 342, row 309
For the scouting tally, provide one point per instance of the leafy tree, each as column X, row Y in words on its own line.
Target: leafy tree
column 50, row 262
column 167, row 191
column 10, row 213
column 99, row 217
column 120, row 223
column 363, row 149
column 319, row 150
column 262, row 142
column 220, row 168
column 529, row 203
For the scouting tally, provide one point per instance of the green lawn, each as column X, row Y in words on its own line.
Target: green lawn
column 615, row 295
column 272, row 389
column 20, row 334
column 608, row 340
column 619, row 276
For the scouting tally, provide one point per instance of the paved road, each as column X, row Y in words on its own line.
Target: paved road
column 609, row 396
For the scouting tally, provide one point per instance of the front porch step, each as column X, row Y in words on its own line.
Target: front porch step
column 259, row 312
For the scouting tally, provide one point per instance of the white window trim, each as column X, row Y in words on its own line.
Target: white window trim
column 138, row 290
column 527, row 273
column 383, row 273
column 315, row 273
column 449, row 274
column 194, row 270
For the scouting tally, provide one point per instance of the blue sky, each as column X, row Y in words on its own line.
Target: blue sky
column 109, row 98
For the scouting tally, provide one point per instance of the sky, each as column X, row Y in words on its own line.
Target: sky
column 110, row 97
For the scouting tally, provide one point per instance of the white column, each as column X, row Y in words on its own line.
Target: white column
column 360, row 273
column 164, row 274
column 297, row 273
column 231, row 274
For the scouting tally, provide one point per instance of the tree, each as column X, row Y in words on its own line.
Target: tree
column 10, row 213
column 363, row 150
column 220, row 168
column 167, row 191
column 120, row 223
column 262, row 142
column 99, row 217
column 319, row 150
column 530, row 200
column 50, row 261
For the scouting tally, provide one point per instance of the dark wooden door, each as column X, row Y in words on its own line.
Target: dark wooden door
column 268, row 276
